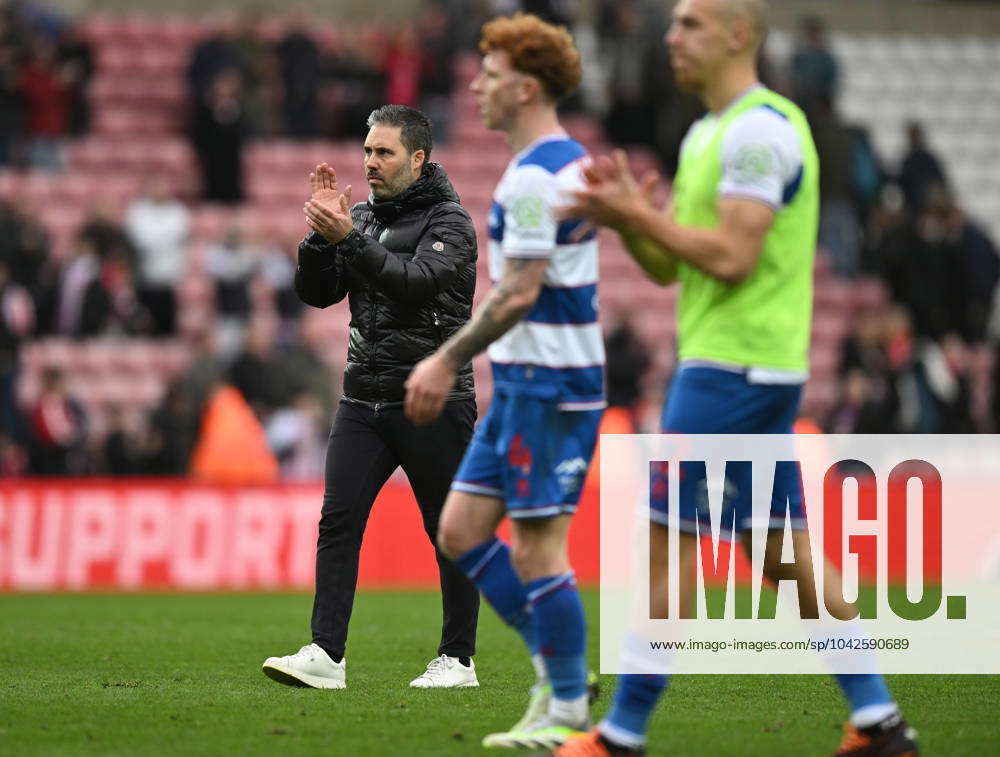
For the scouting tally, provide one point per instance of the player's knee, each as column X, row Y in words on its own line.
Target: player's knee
column 452, row 542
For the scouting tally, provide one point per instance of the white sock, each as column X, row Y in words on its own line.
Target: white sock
column 572, row 712
column 872, row 714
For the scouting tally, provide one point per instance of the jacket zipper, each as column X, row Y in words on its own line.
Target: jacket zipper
column 437, row 327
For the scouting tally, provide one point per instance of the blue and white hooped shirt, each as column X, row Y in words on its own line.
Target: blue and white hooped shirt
column 557, row 350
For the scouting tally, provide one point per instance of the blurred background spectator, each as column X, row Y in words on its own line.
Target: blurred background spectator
column 813, row 73
column 58, row 429
column 218, row 133
column 158, row 226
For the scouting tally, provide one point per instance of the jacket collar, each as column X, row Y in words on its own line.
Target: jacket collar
column 432, row 187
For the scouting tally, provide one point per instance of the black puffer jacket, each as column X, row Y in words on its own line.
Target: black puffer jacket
column 409, row 272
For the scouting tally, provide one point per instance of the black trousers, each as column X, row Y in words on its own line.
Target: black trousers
column 365, row 448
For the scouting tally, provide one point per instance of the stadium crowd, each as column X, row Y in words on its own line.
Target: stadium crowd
column 920, row 361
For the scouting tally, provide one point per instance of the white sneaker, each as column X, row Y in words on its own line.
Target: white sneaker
column 310, row 666
column 447, row 673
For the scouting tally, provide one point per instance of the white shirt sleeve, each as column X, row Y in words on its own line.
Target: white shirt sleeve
column 530, row 225
column 761, row 157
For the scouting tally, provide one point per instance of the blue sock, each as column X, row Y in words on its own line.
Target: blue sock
column 562, row 632
column 635, row 698
column 864, row 689
column 488, row 566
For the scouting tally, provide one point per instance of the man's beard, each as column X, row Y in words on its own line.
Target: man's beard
column 392, row 185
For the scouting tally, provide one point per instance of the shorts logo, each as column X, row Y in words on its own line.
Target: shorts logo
column 570, row 474
column 519, row 455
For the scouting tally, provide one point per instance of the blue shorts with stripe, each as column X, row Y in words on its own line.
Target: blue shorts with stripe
column 531, row 454
column 706, row 400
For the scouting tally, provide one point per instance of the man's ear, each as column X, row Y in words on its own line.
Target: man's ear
column 741, row 35
column 418, row 160
column 529, row 89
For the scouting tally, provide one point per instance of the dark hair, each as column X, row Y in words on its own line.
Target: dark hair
column 415, row 127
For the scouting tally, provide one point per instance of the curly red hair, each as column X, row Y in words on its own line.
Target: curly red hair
column 537, row 48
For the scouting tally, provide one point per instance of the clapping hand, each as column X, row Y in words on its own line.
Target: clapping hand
column 323, row 183
column 328, row 211
column 611, row 194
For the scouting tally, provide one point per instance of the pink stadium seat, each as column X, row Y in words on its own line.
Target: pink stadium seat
column 832, row 295
column 161, row 61
column 869, row 294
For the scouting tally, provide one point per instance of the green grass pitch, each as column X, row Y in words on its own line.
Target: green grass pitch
column 180, row 675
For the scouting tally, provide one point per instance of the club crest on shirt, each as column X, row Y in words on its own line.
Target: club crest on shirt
column 528, row 212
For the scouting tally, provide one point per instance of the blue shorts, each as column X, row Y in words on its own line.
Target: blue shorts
column 704, row 400
column 531, row 454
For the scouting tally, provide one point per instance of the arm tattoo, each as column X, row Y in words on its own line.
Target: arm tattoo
column 494, row 318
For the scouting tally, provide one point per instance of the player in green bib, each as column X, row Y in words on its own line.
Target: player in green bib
column 739, row 237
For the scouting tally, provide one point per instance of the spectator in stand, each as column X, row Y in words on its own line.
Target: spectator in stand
column 24, row 245
column 124, row 450
column 57, row 429
column 232, row 263
column 81, row 306
column 404, row 65
column 277, row 273
column 920, row 171
column 860, row 408
column 839, row 230
column 299, row 61
column 297, row 434
column 929, row 385
column 105, row 234
column 159, row 225
column 307, row 368
column 11, row 101
column 867, row 175
column 866, row 404
column 258, row 371
column 212, row 55
column 169, row 445
column 887, row 234
column 977, row 264
column 814, row 75
column 254, row 63
column 98, row 296
column 218, row 135
column 627, row 363
column 439, row 41
column 17, row 320
column 47, row 93
column 126, row 315
column 178, row 419
column 951, row 383
column 956, row 255
column 76, row 65
column 357, row 79
column 630, row 54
